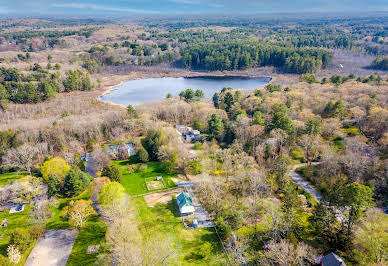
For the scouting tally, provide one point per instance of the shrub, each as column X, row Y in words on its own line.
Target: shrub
column 142, row 155
column 36, row 231
column 21, row 239
column 224, row 230
column 111, row 171
column 197, row 146
column 13, row 254
column 195, row 167
column 4, row 261
column 235, row 220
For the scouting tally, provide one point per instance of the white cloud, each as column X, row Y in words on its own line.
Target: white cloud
column 104, row 8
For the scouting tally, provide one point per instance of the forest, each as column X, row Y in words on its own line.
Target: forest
column 247, row 54
column 109, row 175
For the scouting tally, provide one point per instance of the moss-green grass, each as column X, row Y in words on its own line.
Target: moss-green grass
column 15, row 220
column 7, row 178
column 92, row 234
column 193, row 246
column 134, row 183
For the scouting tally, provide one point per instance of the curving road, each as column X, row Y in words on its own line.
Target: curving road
column 303, row 183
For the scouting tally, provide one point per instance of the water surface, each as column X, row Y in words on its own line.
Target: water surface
column 143, row 90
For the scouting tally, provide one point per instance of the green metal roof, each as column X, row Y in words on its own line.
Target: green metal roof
column 183, row 199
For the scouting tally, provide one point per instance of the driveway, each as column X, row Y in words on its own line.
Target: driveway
column 53, row 249
column 303, row 183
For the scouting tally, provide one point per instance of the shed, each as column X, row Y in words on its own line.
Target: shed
column 195, row 223
column 185, row 203
column 332, row 259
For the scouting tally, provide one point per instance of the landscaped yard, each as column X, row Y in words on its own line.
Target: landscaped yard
column 7, row 178
column 134, row 176
column 15, row 220
column 193, row 246
column 92, row 234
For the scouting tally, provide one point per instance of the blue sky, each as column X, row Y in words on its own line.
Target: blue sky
column 163, row 7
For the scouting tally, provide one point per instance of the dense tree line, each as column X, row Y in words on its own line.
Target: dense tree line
column 25, row 35
column 38, row 86
column 233, row 55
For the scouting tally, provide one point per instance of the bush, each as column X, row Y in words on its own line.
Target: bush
column 197, row 146
column 36, row 231
column 142, row 155
column 21, row 239
column 195, row 167
column 224, row 230
column 111, row 171
column 4, row 261
column 234, row 219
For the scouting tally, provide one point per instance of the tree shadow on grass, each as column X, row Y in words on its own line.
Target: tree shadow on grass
column 173, row 207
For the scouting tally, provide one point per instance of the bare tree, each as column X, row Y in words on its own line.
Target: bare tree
column 286, row 253
column 99, row 159
column 21, row 157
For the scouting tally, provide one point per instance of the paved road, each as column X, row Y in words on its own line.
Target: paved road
column 200, row 213
column 53, row 249
column 303, row 183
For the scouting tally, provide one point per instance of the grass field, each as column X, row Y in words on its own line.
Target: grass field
column 15, row 220
column 134, row 182
column 92, row 234
column 7, row 178
column 193, row 246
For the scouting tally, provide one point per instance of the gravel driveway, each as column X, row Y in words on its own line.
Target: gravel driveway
column 53, row 248
column 303, row 183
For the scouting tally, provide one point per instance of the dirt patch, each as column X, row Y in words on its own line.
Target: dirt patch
column 53, row 248
column 161, row 197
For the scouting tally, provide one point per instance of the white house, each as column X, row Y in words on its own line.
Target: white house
column 185, row 204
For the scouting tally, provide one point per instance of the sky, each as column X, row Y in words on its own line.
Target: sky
column 171, row 7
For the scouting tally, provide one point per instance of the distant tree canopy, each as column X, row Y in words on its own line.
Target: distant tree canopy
column 380, row 63
column 40, row 85
column 241, row 54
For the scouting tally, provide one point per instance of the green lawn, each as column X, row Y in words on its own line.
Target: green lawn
column 92, row 234
column 193, row 246
column 57, row 222
column 7, row 178
column 134, row 182
column 15, row 220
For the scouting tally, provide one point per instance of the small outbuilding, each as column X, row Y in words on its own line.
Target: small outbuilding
column 185, row 204
column 332, row 259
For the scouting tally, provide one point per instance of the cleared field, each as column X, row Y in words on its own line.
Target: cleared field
column 134, row 177
column 192, row 246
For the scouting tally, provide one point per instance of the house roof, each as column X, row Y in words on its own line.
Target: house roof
column 183, row 199
column 332, row 259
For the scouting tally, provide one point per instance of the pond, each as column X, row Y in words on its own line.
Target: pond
column 144, row 90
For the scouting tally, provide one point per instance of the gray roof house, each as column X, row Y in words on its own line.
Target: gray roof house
column 188, row 133
column 332, row 259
